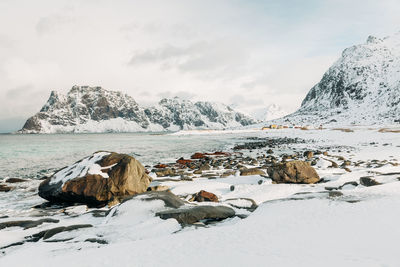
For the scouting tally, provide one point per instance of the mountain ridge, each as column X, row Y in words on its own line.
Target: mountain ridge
column 95, row 109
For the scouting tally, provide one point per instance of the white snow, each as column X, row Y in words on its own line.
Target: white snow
column 359, row 228
column 81, row 168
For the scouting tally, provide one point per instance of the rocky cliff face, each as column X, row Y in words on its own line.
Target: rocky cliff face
column 94, row 109
column 362, row 87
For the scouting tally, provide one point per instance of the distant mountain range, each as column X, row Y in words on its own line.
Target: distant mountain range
column 94, row 109
column 361, row 88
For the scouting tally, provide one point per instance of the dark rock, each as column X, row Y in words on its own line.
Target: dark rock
column 26, row 224
column 353, row 183
column 232, row 188
column 46, row 234
column 170, row 200
column 190, row 215
column 293, row 172
column 252, row 208
column 368, row 181
column 335, row 194
column 96, row 240
column 5, row 188
column 158, row 188
column 15, row 180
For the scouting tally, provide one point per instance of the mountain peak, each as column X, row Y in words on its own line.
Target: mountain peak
column 361, row 87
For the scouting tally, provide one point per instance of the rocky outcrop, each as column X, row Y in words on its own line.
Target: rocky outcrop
column 297, row 172
column 94, row 109
column 96, row 180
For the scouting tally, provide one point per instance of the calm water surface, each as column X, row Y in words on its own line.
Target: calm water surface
column 33, row 156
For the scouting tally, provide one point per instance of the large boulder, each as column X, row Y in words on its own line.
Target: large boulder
column 96, row 180
column 297, row 172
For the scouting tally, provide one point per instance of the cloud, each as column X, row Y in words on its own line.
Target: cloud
column 257, row 52
column 19, row 92
column 181, row 94
column 206, row 59
column 53, row 23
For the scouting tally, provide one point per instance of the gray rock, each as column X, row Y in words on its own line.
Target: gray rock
column 26, row 224
column 170, row 200
column 368, row 181
column 190, row 215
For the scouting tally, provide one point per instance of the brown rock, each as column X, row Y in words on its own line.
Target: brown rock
column 184, row 161
column 165, row 172
column 15, row 180
column 252, row 171
column 298, row 172
column 198, row 155
column 5, row 188
column 160, row 166
column 204, row 196
column 158, row 188
column 308, row 154
column 126, row 176
column 198, row 172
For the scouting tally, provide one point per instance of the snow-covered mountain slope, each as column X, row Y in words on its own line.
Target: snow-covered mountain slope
column 94, row 109
column 271, row 112
column 362, row 87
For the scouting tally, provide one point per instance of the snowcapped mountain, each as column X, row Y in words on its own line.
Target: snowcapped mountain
column 271, row 112
column 94, row 109
column 362, row 87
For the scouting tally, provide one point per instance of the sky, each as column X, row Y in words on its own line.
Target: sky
column 248, row 54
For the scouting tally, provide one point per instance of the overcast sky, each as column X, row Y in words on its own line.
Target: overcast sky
column 245, row 53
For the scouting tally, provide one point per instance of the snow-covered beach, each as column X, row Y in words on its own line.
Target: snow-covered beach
column 339, row 221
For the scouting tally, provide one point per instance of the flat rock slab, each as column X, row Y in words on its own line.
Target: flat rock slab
column 191, row 215
column 170, row 200
column 46, row 234
column 27, row 223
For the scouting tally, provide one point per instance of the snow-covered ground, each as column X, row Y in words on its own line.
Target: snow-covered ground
column 294, row 224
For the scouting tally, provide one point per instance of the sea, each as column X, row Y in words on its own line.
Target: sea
column 36, row 155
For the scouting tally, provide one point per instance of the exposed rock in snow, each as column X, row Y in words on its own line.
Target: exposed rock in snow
column 94, row 109
column 362, row 87
column 97, row 179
